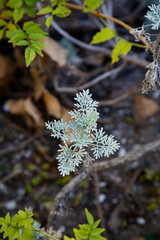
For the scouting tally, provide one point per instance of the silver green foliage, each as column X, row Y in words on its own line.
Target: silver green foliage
column 154, row 15
column 81, row 132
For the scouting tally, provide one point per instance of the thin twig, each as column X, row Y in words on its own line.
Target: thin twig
column 131, row 59
column 120, row 98
column 130, row 157
column 89, row 84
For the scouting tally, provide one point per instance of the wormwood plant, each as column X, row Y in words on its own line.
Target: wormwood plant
column 23, row 226
column 81, row 132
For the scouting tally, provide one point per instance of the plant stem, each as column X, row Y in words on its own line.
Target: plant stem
column 44, row 233
column 101, row 15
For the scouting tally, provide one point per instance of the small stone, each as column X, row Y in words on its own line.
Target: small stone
column 122, row 152
column 102, row 197
column 102, row 184
column 141, row 221
column 3, row 188
column 11, row 205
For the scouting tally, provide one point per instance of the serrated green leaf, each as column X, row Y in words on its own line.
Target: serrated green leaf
column 22, row 214
column 28, row 25
column 45, row 10
column 104, row 35
column 31, row 3
column 2, row 22
column 29, row 55
column 15, row 32
column 61, row 11
column 10, row 232
column 38, row 43
column 7, row 218
column 22, row 43
column 18, row 37
column 97, row 238
column 15, row 3
column 36, row 49
column 48, row 21
column 97, row 231
column 37, row 36
column 89, row 217
column 54, row 2
column 91, row 4
column 80, row 234
column 122, row 47
column 7, row 14
column 95, row 224
column 85, row 227
column 27, row 234
column 18, row 14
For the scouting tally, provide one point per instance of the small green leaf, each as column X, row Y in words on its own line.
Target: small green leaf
column 29, row 55
column 79, row 234
column 54, row 2
column 18, row 37
column 48, row 21
column 122, row 47
column 22, row 43
column 95, row 224
column 7, row 14
column 31, row 3
column 61, row 11
column 15, row 3
column 37, row 36
column 97, row 238
column 38, row 43
column 67, row 238
column 15, row 32
column 45, row 10
column 97, row 231
column 18, row 14
column 7, row 218
column 104, row 35
column 91, row 4
column 89, row 217
column 22, row 214
column 36, row 49
column 85, row 227
column 2, row 23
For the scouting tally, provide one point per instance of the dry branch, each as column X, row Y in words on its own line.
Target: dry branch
column 132, row 156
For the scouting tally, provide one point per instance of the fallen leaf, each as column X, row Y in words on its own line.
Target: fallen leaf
column 27, row 109
column 52, row 104
column 144, row 107
column 39, row 81
column 33, row 111
column 55, row 51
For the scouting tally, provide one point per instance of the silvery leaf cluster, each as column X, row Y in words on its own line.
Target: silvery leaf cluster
column 81, row 132
column 154, row 15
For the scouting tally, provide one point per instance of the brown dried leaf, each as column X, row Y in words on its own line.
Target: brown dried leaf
column 39, row 81
column 55, row 51
column 144, row 107
column 27, row 109
column 33, row 111
column 52, row 104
